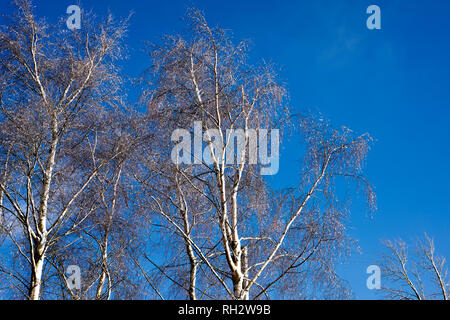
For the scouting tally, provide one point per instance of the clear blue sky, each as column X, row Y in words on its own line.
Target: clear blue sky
column 393, row 83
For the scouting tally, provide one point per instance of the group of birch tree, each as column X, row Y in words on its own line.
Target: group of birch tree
column 87, row 177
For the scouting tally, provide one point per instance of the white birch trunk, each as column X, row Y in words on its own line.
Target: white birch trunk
column 39, row 245
column 36, row 278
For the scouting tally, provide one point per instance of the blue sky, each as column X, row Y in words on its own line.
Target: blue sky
column 393, row 83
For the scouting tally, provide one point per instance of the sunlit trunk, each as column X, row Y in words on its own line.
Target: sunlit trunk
column 101, row 282
column 192, row 280
column 40, row 244
column 36, row 279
